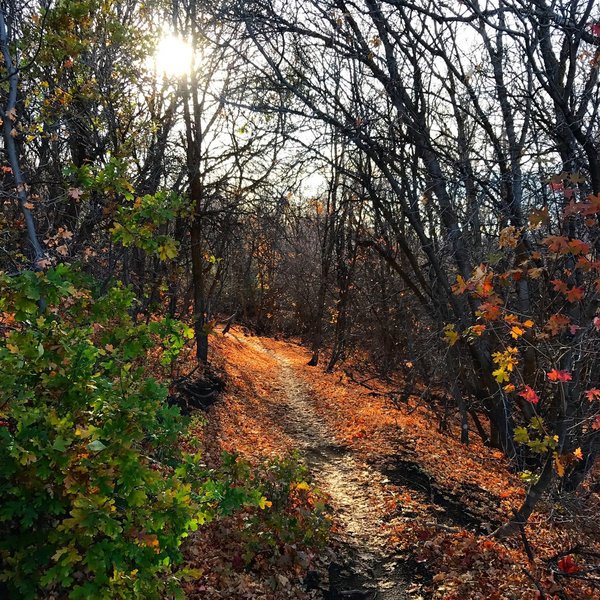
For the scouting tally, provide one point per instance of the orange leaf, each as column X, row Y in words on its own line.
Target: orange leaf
column 516, row 332
column 592, row 394
column 509, row 237
column 575, row 294
column 478, row 329
column 490, row 311
column 557, row 243
column 557, row 322
column 556, row 375
column 578, row 247
column 559, row 286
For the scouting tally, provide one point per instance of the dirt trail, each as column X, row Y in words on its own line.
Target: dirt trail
column 367, row 570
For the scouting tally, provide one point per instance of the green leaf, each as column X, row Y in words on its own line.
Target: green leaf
column 168, row 249
column 96, row 446
column 61, row 444
column 521, row 435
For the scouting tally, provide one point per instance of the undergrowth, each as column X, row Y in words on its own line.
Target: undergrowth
column 96, row 494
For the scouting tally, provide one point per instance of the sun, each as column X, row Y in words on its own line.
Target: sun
column 173, row 56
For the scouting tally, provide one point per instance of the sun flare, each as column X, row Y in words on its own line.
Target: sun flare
column 173, row 56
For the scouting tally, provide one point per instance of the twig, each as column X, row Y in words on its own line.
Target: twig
column 526, row 544
column 535, row 582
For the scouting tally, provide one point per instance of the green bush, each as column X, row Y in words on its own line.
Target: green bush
column 292, row 518
column 95, row 494
column 91, row 505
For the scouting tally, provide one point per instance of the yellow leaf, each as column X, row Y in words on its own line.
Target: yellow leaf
column 500, row 375
column 578, row 454
column 263, row 503
column 302, row 486
column 167, row 250
column 450, row 334
column 560, row 467
column 535, row 273
column 516, row 332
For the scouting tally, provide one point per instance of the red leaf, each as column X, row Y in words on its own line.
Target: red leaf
column 559, row 286
column 575, row 294
column 596, row 29
column 530, row 395
column 592, row 394
column 557, row 243
column 555, row 375
column 567, row 564
column 557, row 322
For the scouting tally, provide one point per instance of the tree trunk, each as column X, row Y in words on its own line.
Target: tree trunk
column 198, row 274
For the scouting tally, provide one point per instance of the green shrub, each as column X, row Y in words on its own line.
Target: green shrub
column 90, row 504
column 95, row 494
column 292, row 518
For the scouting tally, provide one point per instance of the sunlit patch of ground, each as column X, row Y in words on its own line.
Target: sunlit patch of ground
column 429, row 499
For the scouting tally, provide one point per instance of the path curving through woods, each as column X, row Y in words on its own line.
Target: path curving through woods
column 364, row 567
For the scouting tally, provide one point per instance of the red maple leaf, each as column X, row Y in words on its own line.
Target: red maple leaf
column 557, row 243
column 555, row 375
column 592, row 394
column 578, row 247
column 596, row 29
column 490, row 311
column 530, row 395
column 575, row 294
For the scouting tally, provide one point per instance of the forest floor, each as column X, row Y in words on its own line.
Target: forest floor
column 413, row 508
